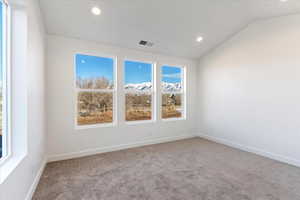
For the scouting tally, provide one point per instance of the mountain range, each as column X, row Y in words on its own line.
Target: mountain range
column 147, row 86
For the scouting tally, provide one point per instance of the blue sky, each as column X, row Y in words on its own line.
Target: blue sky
column 94, row 67
column 135, row 72
column 171, row 74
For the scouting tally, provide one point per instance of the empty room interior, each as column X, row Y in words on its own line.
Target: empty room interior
column 149, row 100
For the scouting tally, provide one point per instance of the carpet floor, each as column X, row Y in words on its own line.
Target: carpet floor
column 191, row 169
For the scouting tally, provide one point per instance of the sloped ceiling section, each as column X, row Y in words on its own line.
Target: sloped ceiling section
column 173, row 25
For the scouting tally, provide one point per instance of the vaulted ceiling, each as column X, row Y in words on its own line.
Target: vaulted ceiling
column 173, row 25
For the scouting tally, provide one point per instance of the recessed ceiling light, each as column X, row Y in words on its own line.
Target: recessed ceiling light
column 199, row 39
column 283, row 0
column 96, row 11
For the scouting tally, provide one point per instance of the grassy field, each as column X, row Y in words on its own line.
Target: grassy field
column 134, row 114
column 138, row 107
column 94, row 108
column 171, row 112
column 97, row 107
column 171, row 106
column 96, row 118
column 138, row 113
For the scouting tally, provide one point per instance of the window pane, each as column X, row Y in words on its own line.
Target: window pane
column 94, row 108
column 1, row 81
column 172, row 106
column 94, row 72
column 172, row 89
column 138, row 76
column 138, row 84
column 138, row 107
column 171, row 79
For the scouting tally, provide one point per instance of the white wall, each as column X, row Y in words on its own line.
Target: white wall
column 249, row 90
column 19, row 185
column 64, row 141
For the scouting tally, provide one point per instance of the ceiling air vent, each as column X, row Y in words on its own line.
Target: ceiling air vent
column 146, row 43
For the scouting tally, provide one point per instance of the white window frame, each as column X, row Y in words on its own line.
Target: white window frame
column 6, row 84
column 113, row 91
column 183, row 92
column 152, row 92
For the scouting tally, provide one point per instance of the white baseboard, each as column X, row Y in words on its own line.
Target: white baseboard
column 89, row 152
column 36, row 180
column 273, row 156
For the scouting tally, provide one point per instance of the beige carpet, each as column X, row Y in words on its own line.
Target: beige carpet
column 192, row 169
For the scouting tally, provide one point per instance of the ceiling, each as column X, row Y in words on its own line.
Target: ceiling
column 173, row 25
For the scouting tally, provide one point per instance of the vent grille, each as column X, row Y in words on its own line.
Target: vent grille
column 146, row 43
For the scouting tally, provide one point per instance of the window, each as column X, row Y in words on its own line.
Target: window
column 139, row 93
column 4, row 133
column 173, row 94
column 95, row 89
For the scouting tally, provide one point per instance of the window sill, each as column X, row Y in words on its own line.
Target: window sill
column 3, row 160
column 106, row 125
column 140, row 122
column 9, row 164
column 173, row 119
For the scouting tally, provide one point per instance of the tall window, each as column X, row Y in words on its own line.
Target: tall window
column 139, row 91
column 3, row 82
column 95, row 83
column 173, row 94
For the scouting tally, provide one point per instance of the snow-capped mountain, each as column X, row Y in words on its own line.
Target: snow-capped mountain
column 146, row 87
column 171, row 87
column 142, row 87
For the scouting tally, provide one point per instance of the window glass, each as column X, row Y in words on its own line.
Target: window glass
column 171, row 79
column 172, row 92
column 95, row 89
column 94, row 72
column 171, row 106
column 139, row 90
column 95, row 107
column 138, row 106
